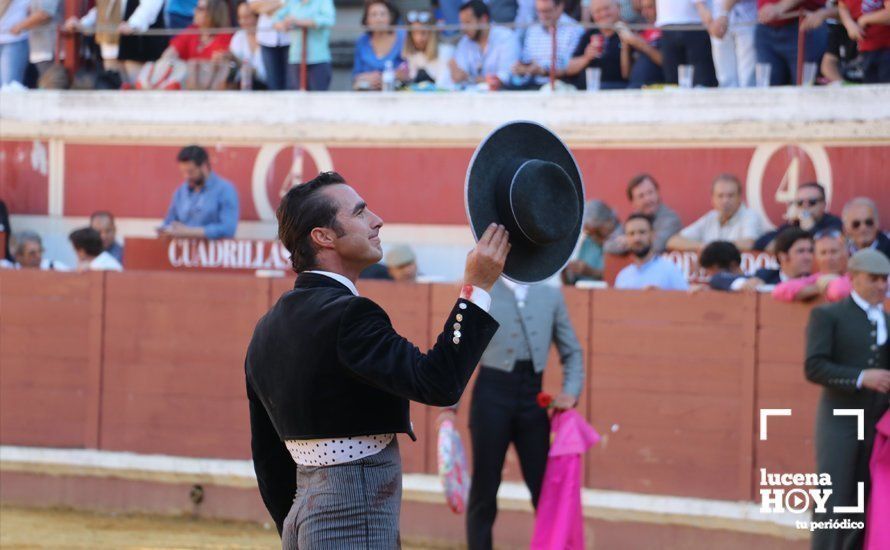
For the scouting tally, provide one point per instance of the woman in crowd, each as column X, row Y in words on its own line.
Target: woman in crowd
column 379, row 46
column 427, row 58
column 315, row 18
column 205, row 51
column 116, row 23
column 244, row 47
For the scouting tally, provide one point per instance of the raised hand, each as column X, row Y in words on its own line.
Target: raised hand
column 485, row 262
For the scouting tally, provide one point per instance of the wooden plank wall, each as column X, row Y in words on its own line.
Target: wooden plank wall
column 153, row 363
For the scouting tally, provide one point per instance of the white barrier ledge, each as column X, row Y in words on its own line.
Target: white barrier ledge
column 597, row 504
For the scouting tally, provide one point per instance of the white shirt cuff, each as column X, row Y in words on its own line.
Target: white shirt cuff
column 481, row 298
column 859, row 380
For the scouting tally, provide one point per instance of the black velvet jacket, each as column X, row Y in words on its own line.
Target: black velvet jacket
column 325, row 363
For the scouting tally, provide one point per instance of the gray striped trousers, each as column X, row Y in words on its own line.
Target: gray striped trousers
column 347, row 506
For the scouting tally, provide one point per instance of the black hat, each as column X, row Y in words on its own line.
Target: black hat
column 524, row 177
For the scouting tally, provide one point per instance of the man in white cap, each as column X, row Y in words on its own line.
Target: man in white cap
column 848, row 354
column 401, row 263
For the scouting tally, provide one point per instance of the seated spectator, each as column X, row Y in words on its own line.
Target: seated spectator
column 644, row 197
column 794, row 252
column 599, row 223
column 5, row 230
column 730, row 220
column 483, row 54
column 28, row 254
column 600, row 48
column 90, row 257
column 205, row 205
column 204, row 50
column 315, row 17
column 103, row 222
column 533, row 68
column 862, row 226
column 722, row 262
column 401, row 263
column 380, row 46
column 244, row 47
column 731, row 26
column 776, row 38
column 427, row 58
column 41, row 25
column 648, row 270
column 868, row 23
column 840, row 61
column 123, row 50
column 640, row 53
column 830, row 281
column 807, row 211
column 683, row 46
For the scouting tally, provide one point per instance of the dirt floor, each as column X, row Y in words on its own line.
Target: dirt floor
column 25, row 528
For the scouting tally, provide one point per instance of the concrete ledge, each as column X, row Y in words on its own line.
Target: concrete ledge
column 610, row 506
column 849, row 113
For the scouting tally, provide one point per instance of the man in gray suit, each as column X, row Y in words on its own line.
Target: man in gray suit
column 504, row 408
column 848, row 354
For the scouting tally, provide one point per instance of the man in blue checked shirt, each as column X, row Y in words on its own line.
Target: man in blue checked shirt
column 205, row 206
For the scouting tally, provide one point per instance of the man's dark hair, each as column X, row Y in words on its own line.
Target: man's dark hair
column 86, row 239
column 641, row 216
column 193, row 153
column 720, row 254
column 101, row 214
column 302, row 209
column 786, row 239
column 637, row 180
column 814, row 185
column 479, row 8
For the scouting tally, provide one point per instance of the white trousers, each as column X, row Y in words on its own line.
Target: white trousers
column 735, row 57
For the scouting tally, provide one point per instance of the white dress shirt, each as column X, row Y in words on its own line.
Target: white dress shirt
column 876, row 316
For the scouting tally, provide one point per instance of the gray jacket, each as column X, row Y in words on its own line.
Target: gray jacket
column 541, row 321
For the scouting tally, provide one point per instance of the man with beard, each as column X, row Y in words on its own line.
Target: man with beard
column 483, row 54
column 205, row 205
column 647, row 270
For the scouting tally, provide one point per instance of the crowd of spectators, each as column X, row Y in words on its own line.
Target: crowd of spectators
column 503, row 44
column 811, row 249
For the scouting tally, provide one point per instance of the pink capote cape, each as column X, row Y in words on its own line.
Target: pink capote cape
column 559, row 524
column 877, row 525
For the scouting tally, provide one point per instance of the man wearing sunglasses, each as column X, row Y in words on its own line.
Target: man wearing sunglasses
column 808, row 212
column 862, row 226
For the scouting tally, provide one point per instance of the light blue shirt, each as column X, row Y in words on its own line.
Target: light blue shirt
column 214, row 207
column 181, row 7
column 501, row 53
column 318, row 49
column 366, row 60
column 658, row 272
